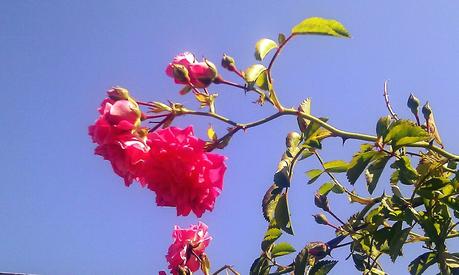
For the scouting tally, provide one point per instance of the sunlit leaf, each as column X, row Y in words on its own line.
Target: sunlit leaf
column 305, row 107
column 336, row 166
column 404, row 132
column 326, row 188
column 359, row 162
column 270, row 237
column 282, row 214
column 406, row 173
column 282, row 249
column 269, row 202
column 313, row 175
column 263, row 47
column 421, row 263
column 321, row 26
column 253, row 72
column 374, row 171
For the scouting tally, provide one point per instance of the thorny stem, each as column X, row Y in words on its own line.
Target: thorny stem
column 244, row 87
column 386, row 99
column 271, row 63
column 335, row 131
column 335, row 180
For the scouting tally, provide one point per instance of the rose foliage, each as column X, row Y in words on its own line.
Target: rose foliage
column 418, row 203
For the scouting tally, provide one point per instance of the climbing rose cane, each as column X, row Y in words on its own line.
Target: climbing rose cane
column 188, row 244
column 181, row 172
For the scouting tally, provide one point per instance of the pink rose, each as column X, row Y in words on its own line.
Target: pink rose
column 188, row 244
column 118, row 138
column 201, row 74
column 115, row 117
column 181, row 172
column 127, row 154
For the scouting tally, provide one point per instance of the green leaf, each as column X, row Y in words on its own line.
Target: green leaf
column 321, row 26
column 260, row 266
column 397, row 240
column 313, row 175
column 383, row 125
column 421, row 263
column 404, row 132
column 359, row 162
column 326, row 188
column 305, row 107
column 406, row 173
column 312, row 128
column 269, row 202
column 263, row 81
column 322, row 267
column 336, row 166
column 338, row 189
column 263, row 47
column 282, row 249
column 282, row 214
column 281, row 178
column 301, row 261
column 253, row 72
column 270, row 237
column 374, row 171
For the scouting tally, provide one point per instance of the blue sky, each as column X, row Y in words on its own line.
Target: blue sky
column 63, row 210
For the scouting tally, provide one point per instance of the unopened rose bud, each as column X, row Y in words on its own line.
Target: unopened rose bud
column 321, row 201
column 292, row 139
column 212, row 68
column 318, row 249
column 426, row 110
column 321, row 219
column 118, row 93
column 413, row 103
column 228, row 63
column 180, row 73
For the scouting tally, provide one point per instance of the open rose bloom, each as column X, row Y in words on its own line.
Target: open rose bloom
column 181, row 172
column 172, row 162
column 188, row 244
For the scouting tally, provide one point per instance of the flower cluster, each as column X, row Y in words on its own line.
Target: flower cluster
column 187, row 249
column 172, row 161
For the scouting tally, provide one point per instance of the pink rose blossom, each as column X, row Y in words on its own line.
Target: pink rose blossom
column 118, row 139
column 127, row 154
column 181, row 172
column 187, row 244
column 115, row 117
column 201, row 74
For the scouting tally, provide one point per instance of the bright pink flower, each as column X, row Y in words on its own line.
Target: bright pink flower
column 116, row 117
column 201, row 74
column 127, row 154
column 181, row 172
column 118, row 139
column 187, row 244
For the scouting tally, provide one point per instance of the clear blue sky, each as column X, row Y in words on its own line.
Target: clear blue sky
column 63, row 210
